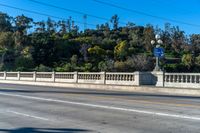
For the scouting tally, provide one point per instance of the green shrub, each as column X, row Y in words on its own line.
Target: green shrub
column 42, row 68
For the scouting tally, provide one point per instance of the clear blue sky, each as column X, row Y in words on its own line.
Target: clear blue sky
column 180, row 10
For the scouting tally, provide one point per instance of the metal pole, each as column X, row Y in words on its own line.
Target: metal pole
column 157, row 68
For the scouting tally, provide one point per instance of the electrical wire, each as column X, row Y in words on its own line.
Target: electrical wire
column 74, row 11
column 42, row 14
column 145, row 14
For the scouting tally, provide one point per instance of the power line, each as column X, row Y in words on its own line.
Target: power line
column 42, row 14
column 146, row 14
column 74, row 11
column 167, row 3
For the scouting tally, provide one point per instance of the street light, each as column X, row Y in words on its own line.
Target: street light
column 158, row 42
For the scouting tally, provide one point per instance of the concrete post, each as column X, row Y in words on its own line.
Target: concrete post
column 103, row 77
column 4, row 75
column 18, row 75
column 160, row 78
column 76, row 77
column 34, row 76
column 137, row 78
column 53, row 76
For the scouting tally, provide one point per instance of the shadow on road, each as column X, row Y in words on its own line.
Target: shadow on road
column 43, row 130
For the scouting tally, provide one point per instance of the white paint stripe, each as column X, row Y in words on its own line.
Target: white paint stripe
column 26, row 115
column 106, row 107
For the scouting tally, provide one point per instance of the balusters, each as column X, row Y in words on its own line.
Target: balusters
column 190, row 78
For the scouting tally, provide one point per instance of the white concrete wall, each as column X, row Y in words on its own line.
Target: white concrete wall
column 183, row 80
column 157, row 78
column 146, row 89
column 182, row 85
column 76, row 77
column 148, row 78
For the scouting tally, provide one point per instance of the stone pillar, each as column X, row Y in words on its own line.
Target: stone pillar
column 18, row 75
column 76, row 77
column 34, row 76
column 137, row 78
column 4, row 75
column 103, row 77
column 160, row 78
column 53, row 76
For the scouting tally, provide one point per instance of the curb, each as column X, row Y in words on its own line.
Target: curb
column 146, row 89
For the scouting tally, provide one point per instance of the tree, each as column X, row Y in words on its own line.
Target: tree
column 22, row 24
column 69, row 24
column 120, row 66
column 97, row 51
column 148, row 36
column 74, row 60
column 195, row 42
column 6, row 44
column 40, row 26
column 106, row 65
column 121, row 50
column 5, row 22
column 64, row 47
column 197, row 61
column 178, row 39
column 136, row 38
column 63, row 27
column 6, row 40
column 140, row 63
column 188, row 60
column 51, row 26
column 43, row 49
column 84, row 51
column 115, row 21
column 24, row 63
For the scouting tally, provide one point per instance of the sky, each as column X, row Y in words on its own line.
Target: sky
column 141, row 12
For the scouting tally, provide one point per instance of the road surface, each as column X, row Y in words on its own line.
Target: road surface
column 30, row 109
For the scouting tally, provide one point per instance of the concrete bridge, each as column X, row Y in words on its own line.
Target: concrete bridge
column 138, row 102
column 157, row 81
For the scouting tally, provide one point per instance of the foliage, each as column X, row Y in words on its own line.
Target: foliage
column 27, row 45
column 43, row 68
column 106, row 65
column 188, row 60
column 24, row 64
column 121, row 50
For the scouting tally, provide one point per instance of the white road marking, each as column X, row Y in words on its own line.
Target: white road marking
column 106, row 107
column 27, row 115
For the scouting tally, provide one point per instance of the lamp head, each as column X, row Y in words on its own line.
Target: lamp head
column 157, row 37
column 153, row 42
column 160, row 41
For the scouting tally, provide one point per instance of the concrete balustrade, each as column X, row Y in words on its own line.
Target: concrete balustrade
column 185, row 80
column 74, row 77
column 2, row 75
column 29, row 76
column 122, row 78
column 156, row 78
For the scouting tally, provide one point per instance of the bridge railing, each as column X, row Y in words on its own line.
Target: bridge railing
column 187, row 80
column 121, row 78
column 190, row 80
column 74, row 77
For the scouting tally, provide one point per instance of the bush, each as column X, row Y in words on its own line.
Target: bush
column 106, row 65
column 175, row 68
column 120, row 66
column 24, row 63
column 42, row 68
column 65, row 68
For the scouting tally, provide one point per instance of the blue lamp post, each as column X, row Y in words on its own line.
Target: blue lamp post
column 158, row 51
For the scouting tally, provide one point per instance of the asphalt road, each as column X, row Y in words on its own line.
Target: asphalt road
column 29, row 109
